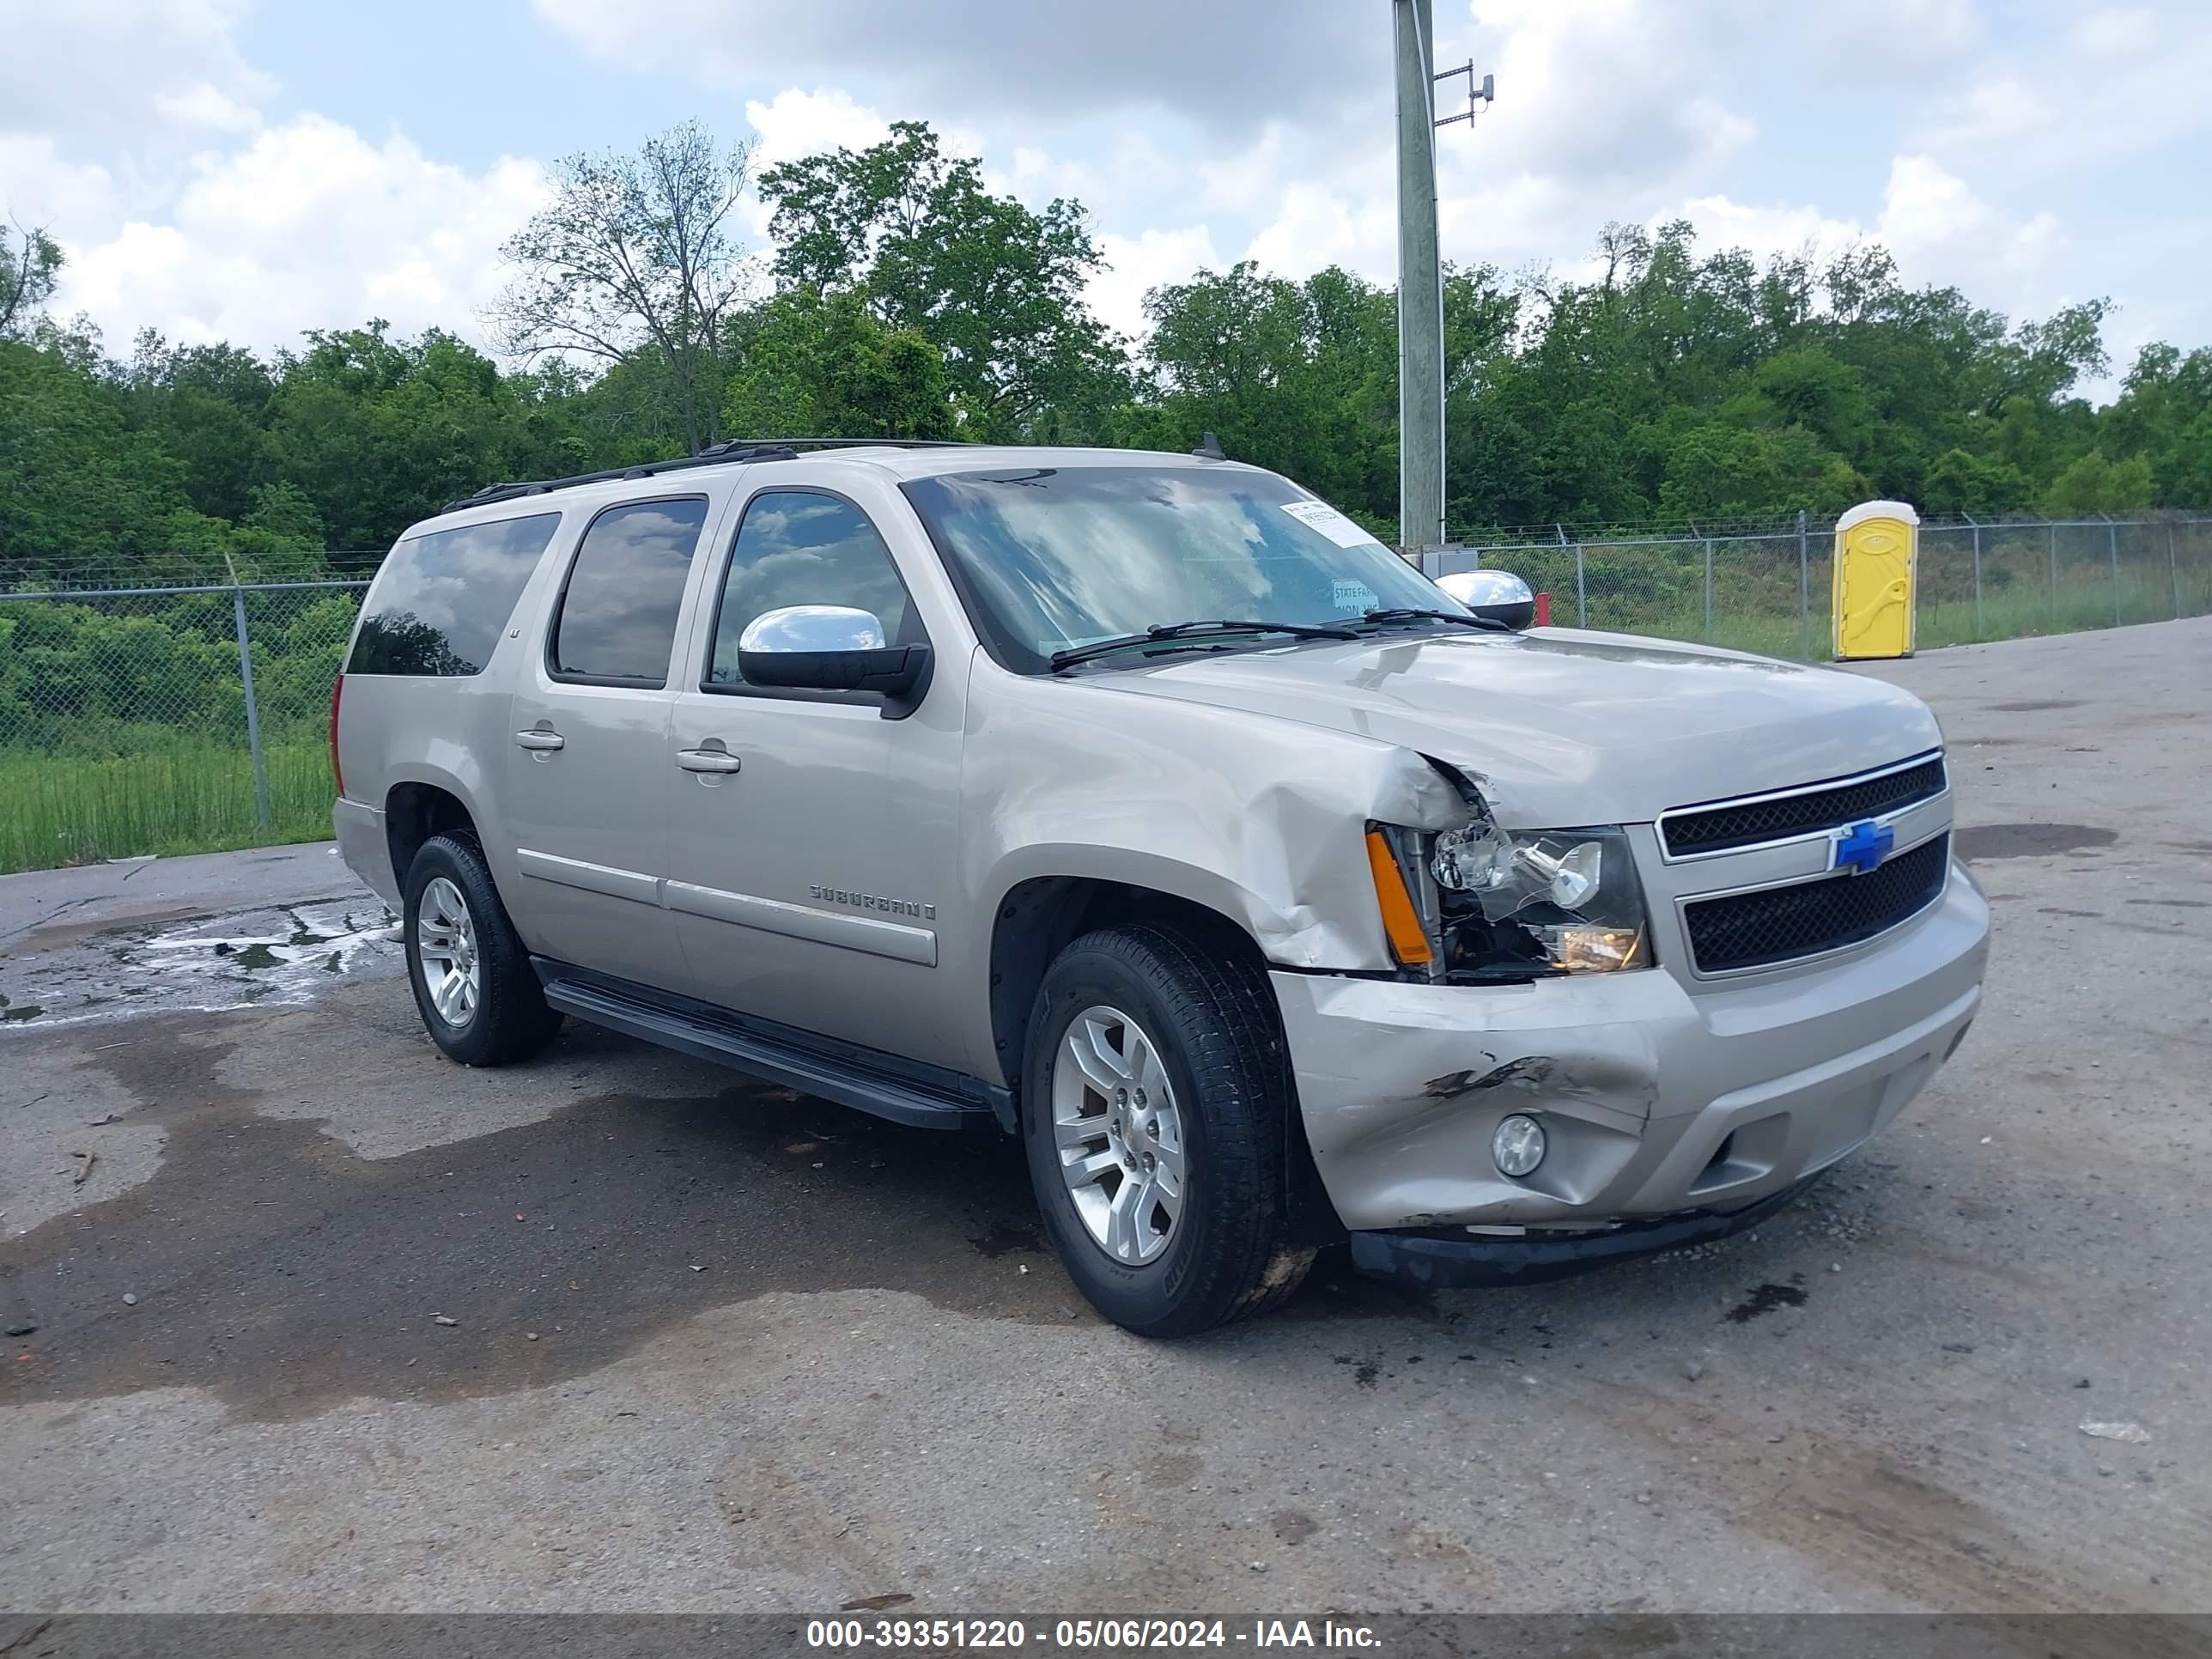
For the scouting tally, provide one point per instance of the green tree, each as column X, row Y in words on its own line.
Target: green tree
column 207, row 405
column 817, row 364
column 2091, row 484
column 635, row 256
column 30, row 269
column 1960, row 483
column 79, row 496
column 997, row 289
column 377, row 432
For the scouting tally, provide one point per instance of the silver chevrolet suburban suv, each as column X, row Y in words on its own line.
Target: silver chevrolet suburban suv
column 1145, row 807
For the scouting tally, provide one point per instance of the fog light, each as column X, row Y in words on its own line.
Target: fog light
column 1518, row 1146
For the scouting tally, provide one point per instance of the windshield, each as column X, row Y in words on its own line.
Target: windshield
column 1056, row 557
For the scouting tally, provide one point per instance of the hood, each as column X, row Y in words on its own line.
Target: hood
column 1566, row 727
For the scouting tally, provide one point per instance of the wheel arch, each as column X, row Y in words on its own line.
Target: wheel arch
column 1040, row 916
column 414, row 810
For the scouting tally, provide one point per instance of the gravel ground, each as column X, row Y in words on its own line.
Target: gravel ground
column 303, row 1317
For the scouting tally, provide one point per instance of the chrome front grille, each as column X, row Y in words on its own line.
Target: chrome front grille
column 1812, row 809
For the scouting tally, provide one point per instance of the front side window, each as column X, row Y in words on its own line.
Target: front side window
column 798, row 547
column 442, row 599
column 617, row 620
column 1056, row 557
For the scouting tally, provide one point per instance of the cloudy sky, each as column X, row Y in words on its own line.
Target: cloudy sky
column 225, row 169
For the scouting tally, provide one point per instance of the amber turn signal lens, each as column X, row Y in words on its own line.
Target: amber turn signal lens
column 1401, row 922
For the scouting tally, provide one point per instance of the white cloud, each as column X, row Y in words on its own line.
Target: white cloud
column 2121, row 82
column 204, row 106
column 1935, row 224
column 2117, row 33
column 1316, row 226
column 162, row 71
column 310, row 226
column 1613, row 94
column 1217, row 64
column 1242, row 180
column 1604, row 108
column 1904, row 38
column 1763, row 231
column 1931, row 219
column 794, row 122
column 1141, row 263
column 42, row 187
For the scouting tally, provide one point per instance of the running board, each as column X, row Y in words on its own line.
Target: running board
column 704, row 1035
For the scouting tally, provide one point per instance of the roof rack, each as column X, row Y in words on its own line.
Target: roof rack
column 729, row 451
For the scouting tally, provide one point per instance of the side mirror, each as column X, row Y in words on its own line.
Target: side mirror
column 1498, row 594
column 831, row 648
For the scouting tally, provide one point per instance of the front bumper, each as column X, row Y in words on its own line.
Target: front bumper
column 1441, row 1261
column 1656, row 1100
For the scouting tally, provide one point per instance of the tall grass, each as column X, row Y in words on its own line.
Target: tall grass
column 184, row 796
column 2000, row 616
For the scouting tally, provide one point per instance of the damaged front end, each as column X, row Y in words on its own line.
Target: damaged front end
column 1501, row 907
column 1530, row 1089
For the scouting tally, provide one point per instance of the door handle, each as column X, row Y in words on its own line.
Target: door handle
column 539, row 738
column 708, row 760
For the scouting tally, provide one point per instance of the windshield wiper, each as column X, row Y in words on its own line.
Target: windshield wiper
column 1164, row 632
column 1409, row 613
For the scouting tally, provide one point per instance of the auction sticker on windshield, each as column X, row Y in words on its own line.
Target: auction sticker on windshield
column 1319, row 515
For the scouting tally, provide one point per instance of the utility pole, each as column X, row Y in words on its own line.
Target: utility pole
column 1420, row 275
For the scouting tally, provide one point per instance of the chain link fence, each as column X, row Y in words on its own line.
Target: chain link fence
column 1770, row 589
column 141, row 719
column 137, row 720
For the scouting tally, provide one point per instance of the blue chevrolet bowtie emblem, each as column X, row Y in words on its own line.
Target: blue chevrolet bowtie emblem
column 1863, row 846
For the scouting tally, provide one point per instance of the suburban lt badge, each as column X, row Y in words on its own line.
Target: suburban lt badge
column 873, row 901
column 1861, row 848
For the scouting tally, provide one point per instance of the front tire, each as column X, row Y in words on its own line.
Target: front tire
column 473, row 984
column 1154, row 1094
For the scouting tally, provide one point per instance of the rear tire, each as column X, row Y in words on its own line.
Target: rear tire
column 1154, row 1091
column 473, row 984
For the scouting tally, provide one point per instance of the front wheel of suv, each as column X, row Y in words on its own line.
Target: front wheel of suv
column 1154, row 1091
column 479, row 999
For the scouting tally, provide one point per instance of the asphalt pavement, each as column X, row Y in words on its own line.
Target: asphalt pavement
column 303, row 1317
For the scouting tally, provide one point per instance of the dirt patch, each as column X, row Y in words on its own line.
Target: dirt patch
column 1982, row 841
column 53, row 935
column 282, row 1272
column 1002, row 1239
column 1294, row 1525
column 1765, row 1300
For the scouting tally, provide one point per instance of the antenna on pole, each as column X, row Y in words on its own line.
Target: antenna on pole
column 1420, row 273
column 1479, row 94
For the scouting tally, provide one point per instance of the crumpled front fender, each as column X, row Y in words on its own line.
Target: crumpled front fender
column 1262, row 821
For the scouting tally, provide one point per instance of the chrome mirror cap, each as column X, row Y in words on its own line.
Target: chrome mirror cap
column 1481, row 587
column 813, row 627
column 1499, row 595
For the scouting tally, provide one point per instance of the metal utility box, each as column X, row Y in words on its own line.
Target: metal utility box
column 1877, row 554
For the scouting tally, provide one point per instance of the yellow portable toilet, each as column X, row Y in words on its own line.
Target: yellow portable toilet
column 1877, row 548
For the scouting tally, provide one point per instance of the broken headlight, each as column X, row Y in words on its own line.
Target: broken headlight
column 1517, row 904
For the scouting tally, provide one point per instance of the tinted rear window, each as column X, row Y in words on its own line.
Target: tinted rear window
column 442, row 599
column 617, row 619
